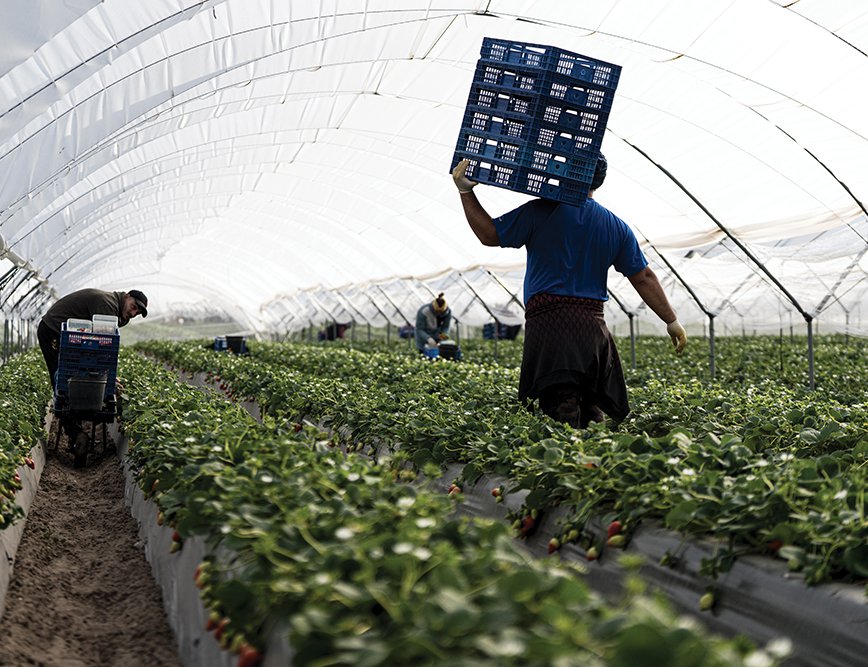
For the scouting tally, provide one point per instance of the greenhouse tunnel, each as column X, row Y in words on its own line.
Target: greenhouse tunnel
column 287, row 163
column 282, row 171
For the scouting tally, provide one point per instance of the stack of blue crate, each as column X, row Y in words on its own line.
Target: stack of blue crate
column 535, row 119
column 86, row 353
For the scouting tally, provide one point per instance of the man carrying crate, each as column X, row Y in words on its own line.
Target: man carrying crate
column 83, row 305
column 570, row 362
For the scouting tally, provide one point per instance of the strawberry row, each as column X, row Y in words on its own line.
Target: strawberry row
column 24, row 393
column 766, row 469
column 358, row 567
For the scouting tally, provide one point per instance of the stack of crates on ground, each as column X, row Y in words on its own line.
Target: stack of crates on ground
column 535, row 119
column 87, row 355
column 231, row 343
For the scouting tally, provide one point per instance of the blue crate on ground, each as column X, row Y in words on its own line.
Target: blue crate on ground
column 535, row 119
column 84, row 353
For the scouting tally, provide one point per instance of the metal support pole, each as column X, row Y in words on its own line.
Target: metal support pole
column 711, row 365
column 630, row 316
column 810, row 353
column 369, row 333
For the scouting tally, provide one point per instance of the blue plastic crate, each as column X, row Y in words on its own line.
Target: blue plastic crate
column 551, row 59
column 82, row 353
column 574, row 131
column 554, row 154
column 510, row 89
column 543, row 184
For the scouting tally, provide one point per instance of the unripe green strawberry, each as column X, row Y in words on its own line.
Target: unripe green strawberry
column 616, row 541
column 592, row 553
column 554, row 545
column 706, row 602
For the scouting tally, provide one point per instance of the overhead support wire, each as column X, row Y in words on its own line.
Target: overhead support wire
column 394, row 305
column 485, row 306
column 831, row 293
column 385, row 317
column 762, row 267
column 512, row 297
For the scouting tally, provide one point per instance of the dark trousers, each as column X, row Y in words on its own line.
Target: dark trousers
column 565, row 403
column 49, row 343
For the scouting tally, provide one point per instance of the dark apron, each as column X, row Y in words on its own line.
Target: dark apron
column 566, row 341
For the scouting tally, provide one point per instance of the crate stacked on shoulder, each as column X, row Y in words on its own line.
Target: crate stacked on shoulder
column 535, row 119
column 87, row 352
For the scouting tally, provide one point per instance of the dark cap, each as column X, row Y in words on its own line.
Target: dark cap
column 599, row 172
column 141, row 301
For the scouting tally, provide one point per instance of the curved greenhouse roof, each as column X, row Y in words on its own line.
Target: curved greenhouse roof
column 285, row 162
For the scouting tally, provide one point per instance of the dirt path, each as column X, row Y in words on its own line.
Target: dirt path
column 82, row 594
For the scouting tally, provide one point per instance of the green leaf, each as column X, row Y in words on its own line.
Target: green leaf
column 856, row 559
column 682, row 515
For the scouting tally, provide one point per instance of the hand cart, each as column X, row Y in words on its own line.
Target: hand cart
column 85, row 387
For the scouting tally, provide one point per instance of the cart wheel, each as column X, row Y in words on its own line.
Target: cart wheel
column 80, row 450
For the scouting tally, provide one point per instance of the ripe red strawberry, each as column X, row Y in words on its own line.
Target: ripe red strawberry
column 213, row 619
column 496, row 492
column 775, row 545
column 30, row 463
column 249, row 656
column 297, row 427
column 221, row 628
column 614, row 528
column 527, row 524
column 176, row 536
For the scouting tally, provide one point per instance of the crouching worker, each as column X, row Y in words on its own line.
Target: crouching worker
column 432, row 324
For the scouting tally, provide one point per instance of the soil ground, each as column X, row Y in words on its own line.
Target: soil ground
column 82, row 594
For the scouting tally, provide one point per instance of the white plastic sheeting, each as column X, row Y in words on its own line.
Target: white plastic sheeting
column 288, row 161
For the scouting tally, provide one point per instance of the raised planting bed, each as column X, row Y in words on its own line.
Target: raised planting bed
column 350, row 564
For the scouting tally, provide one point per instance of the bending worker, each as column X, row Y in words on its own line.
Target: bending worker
column 432, row 323
column 83, row 305
column 570, row 362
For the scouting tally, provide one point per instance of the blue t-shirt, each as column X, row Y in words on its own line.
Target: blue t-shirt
column 569, row 248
